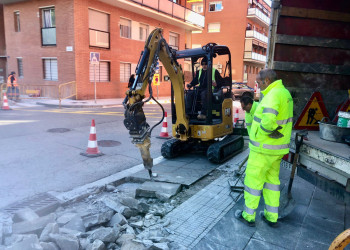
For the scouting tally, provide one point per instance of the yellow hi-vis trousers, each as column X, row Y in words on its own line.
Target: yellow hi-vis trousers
column 262, row 175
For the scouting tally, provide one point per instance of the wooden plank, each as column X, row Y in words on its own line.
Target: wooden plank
column 313, row 27
column 315, row 14
column 315, row 68
column 306, row 54
column 313, row 41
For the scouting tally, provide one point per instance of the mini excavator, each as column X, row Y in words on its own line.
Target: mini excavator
column 214, row 135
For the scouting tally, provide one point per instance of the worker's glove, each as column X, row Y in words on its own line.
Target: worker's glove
column 276, row 134
column 189, row 86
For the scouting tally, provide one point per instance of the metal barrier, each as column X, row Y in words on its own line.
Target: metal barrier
column 66, row 90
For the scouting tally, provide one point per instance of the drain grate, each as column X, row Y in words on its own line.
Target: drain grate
column 42, row 204
column 58, row 130
column 108, row 143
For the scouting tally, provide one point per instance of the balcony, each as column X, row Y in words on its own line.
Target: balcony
column 256, row 35
column 48, row 36
column 162, row 10
column 250, row 56
column 257, row 16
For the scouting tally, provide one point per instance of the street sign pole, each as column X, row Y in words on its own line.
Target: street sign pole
column 95, row 80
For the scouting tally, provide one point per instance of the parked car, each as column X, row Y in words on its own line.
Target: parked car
column 239, row 89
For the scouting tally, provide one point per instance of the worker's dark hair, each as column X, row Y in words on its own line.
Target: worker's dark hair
column 13, row 73
column 204, row 60
column 246, row 100
column 269, row 74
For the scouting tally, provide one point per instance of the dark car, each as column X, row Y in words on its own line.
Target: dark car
column 240, row 89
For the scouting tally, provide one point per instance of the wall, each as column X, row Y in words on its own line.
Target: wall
column 121, row 49
column 27, row 42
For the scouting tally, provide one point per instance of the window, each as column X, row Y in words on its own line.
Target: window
column 125, row 72
column 98, row 29
column 17, row 22
column 197, row 7
column 20, row 67
column 144, row 28
column 213, row 27
column 101, row 73
column 215, row 6
column 50, row 69
column 125, row 28
column 48, row 26
column 174, row 40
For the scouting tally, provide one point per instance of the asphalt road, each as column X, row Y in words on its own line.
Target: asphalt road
column 34, row 160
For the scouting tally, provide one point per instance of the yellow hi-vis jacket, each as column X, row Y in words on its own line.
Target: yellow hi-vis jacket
column 212, row 77
column 275, row 109
column 250, row 115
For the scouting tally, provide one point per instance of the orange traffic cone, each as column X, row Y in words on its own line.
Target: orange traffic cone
column 92, row 150
column 5, row 104
column 235, row 120
column 164, row 133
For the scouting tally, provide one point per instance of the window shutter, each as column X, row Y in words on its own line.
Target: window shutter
column 98, row 20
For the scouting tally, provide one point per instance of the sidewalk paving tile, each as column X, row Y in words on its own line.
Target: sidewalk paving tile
column 320, row 208
column 210, row 245
column 320, row 230
column 308, row 244
column 326, row 198
column 297, row 216
column 262, row 245
column 286, row 232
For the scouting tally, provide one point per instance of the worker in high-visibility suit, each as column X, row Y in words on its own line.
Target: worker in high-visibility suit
column 249, row 106
column 12, row 86
column 269, row 141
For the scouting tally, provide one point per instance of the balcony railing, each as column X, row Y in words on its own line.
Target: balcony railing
column 254, row 56
column 48, row 36
column 174, row 10
column 257, row 35
column 256, row 13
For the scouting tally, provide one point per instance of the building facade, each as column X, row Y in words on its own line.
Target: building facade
column 48, row 42
column 242, row 25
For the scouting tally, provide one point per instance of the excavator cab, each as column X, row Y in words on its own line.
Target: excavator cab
column 212, row 135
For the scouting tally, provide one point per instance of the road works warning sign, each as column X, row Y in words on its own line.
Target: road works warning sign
column 313, row 112
column 155, row 79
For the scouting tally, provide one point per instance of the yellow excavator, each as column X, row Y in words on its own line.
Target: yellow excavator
column 214, row 135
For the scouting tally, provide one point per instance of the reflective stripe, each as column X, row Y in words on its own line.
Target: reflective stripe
column 282, row 122
column 270, row 110
column 254, row 143
column 257, row 119
column 271, row 209
column 249, row 210
column 252, row 191
column 266, row 130
column 272, row 187
column 276, row 147
column 249, row 124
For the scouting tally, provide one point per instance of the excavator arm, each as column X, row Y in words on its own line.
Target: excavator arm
column 156, row 48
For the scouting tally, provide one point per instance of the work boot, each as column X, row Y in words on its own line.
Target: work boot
column 201, row 117
column 239, row 216
column 269, row 223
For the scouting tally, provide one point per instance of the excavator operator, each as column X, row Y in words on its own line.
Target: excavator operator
column 202, row 82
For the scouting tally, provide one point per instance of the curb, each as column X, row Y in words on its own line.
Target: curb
column 81, row 192
column 76, row 106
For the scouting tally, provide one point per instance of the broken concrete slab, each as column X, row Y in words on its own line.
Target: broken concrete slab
column 65, row 218
column 51, row 228
column 49, row 246
column 138, row 224
column 160, row 246
column 97, row 218
column 65, row 241
column 125, row 237
column 105, row 234
column 25, row 214
column 160, row 190
column 129, row 244
column 75, row 233
column 96, row 245
column 35, row 226
column 117, row 206
column 29, row 242
column 117, row 219
column 76, row 223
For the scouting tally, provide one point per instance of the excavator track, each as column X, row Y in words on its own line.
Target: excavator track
column 225, row 149
column 173, row 147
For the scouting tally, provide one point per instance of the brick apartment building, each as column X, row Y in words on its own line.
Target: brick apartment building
column 48, row 42
column 242, row 25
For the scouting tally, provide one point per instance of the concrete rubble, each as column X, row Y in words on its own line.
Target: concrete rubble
column 113, row 219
